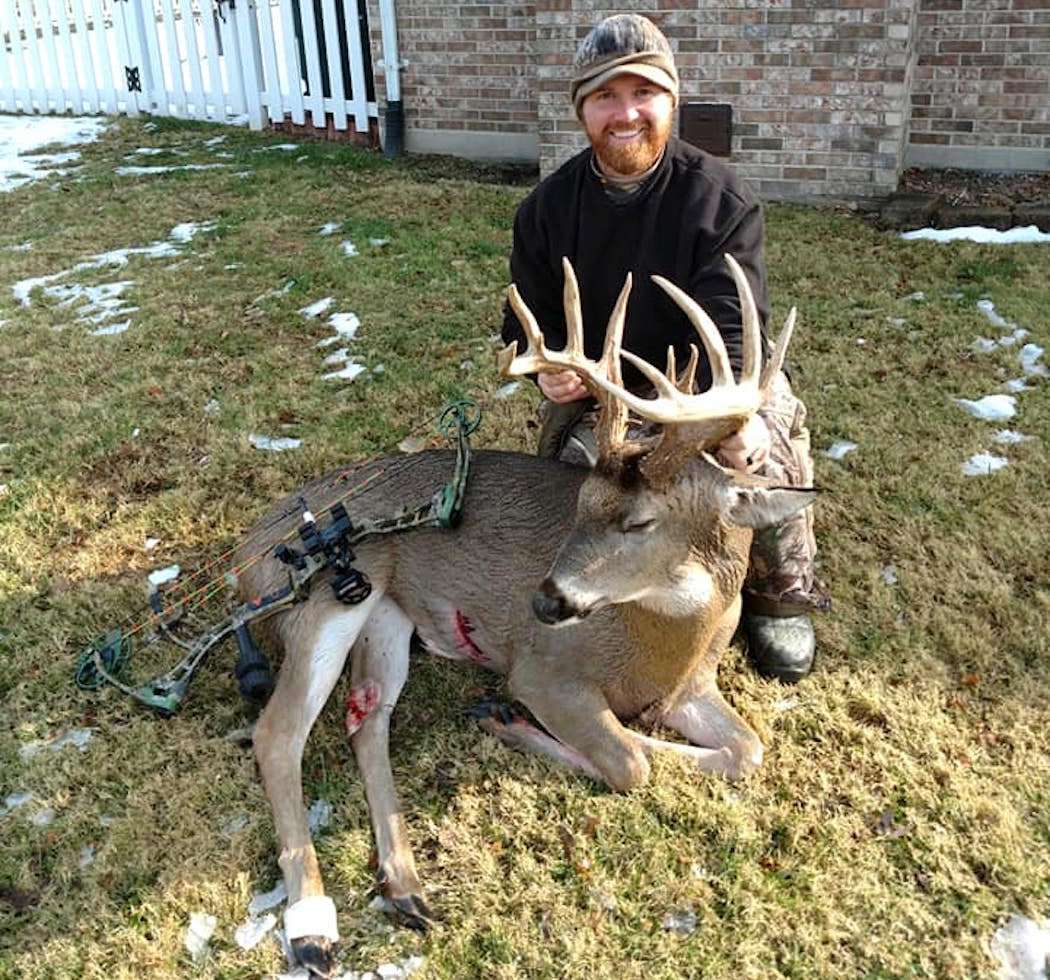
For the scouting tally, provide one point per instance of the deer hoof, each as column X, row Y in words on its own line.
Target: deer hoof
column 493, row 711
column 316, row 954
column 413, row 912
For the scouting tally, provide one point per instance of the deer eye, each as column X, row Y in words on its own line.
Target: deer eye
column 638, row 527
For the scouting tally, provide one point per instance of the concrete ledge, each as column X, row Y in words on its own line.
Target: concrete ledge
column 502, row 147
column 993, row 159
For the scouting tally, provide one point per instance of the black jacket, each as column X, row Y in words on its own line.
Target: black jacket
column 687, row 216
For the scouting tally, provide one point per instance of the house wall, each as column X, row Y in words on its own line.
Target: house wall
column 982, row 87
column 830, row 97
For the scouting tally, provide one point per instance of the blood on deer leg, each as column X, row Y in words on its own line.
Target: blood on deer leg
column 380, row 661
column 317, row 640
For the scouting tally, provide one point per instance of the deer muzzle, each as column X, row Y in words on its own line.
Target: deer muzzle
column 553, row 607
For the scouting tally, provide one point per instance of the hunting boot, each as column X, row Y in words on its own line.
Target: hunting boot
column 565, row 433
column 780, row 647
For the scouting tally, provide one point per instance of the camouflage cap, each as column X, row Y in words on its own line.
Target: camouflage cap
column 624, row 44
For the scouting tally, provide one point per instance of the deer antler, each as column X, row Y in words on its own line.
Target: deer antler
column 603, row 377
column 711, row 415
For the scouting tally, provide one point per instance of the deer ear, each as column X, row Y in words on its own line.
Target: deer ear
column 760, row 507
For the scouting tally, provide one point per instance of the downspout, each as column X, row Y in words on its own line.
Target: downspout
column 394, row 126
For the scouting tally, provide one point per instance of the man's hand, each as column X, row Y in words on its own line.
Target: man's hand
column 562, row 386
column 747, row 449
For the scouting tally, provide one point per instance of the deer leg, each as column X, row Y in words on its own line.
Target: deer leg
column 317, row 640
column 706, row 719
column 515, row 731
column 578, row 716
column 380, row 662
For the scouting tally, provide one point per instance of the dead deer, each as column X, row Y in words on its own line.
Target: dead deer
column 602, row 595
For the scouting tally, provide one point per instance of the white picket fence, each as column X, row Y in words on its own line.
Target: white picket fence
column 245, row 61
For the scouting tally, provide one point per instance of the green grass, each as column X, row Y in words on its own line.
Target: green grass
column 929, row 701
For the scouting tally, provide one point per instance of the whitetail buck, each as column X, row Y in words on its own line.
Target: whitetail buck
column 638, row 563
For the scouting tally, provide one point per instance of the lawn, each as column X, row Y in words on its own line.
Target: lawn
column 903, row 811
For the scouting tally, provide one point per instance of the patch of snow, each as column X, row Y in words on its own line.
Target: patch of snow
column 889, row 574
column 896, row 321
column 984, row 346
column 344, row 324
column 378, row 242
column 249, row 934
column 917, row 297
column 786, row 704
column 1029, row 355
column 150, row 544
column 24, row 247
column 163, row 575
column 244, row 173
column 14, row 801
column 682, row 921
column 316, row 309
column 987, row 307
column 112, row 330
column 20, row 135
column 508, row 389
column 1007, row 437
column 349, row 249
column 287, row 147
column 86, row 857
column 983, row 464
column 198, row 933
column 79, row 737
column 319, row 815
column 137, row 171
column 212, row 407
column 264, row 901
column 1028, row 234
column 839, row 449
column 1022, row 948
column 215, row 141
column 330, row 228
column 337, row 357
column 352, row 370
column 991, row 408
column 154, row 151
column 278, row 445
column 281, row 291
column 43, row 818
column 179, row 236
column 1017, row 385
column 234, row 824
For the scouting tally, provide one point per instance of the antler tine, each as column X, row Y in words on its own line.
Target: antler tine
column 671, row 373
column 612, row 425
column 776, row 360
column 689, row 375
column 721, row 373
column 752, row 328
column 536, row 356
column 573, row 312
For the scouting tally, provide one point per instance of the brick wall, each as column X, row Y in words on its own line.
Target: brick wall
column 467, row 69
column 829, row 97
column 982, row 86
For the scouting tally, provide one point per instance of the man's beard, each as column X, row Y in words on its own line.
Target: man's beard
column 636, row 156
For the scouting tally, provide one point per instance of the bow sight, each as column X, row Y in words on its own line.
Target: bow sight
column 325, row 545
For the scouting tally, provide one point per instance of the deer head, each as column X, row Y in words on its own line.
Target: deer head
column 658, row 521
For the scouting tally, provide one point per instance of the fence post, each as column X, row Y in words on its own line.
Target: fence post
column 249, row 58
column 133, row 60
column 141, row 51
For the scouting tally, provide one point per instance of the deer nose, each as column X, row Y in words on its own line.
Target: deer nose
column 550, row 605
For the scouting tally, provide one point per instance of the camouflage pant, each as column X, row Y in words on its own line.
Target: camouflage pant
column 781, row 578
